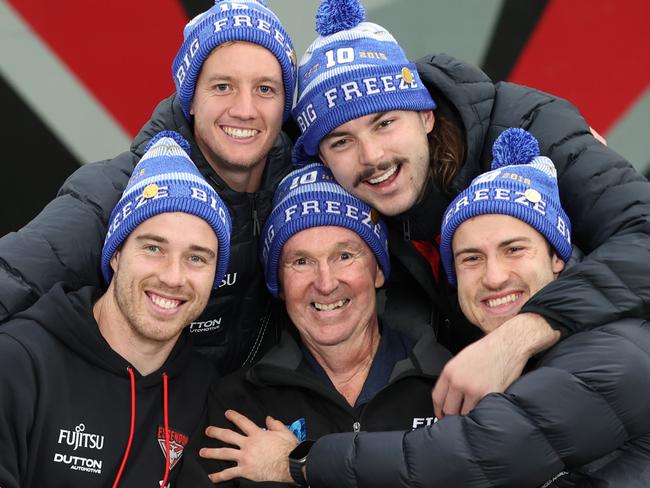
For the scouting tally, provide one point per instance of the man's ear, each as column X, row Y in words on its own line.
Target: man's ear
column 557, row 265
column 115, row 259
column 379, row 277
column 428, row 119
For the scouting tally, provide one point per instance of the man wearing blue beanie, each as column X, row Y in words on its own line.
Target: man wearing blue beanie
column 503, row 239
column 337, row 368
column 234, row 76
column 104, row 388
column 407, row 138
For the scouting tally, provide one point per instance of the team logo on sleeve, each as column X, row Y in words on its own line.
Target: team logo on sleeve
column 177, row 443
column 299, row 428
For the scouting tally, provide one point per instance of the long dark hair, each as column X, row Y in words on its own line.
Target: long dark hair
column 446, row 146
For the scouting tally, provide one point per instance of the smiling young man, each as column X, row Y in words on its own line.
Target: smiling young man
column 234, row 76
column 407, row 138
column 503, row 239
column 238, row 109
column 105, row 388
column 504, row 262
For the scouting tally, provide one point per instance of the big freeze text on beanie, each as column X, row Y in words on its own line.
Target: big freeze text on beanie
column 310, row 197
column 166, row 180
column 523, row 185
column 353, row 69
column 228, row 20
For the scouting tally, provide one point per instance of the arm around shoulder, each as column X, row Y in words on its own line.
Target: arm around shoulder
column 580, row 404
column 608, row 203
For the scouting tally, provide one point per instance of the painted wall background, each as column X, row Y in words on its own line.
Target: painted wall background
column 78, row 79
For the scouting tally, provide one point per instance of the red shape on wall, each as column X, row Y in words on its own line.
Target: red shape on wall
column 121, row 50
column 595, row 54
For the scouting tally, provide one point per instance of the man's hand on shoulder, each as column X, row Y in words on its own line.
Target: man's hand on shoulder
column 260, row 454
column 491, row 364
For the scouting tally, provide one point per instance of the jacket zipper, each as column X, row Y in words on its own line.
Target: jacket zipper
column 406, row 229
column 264, row 322
column 255, row 217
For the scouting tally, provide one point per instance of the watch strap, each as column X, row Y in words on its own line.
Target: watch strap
column 296, row 463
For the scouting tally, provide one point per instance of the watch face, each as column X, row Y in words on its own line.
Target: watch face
column 301, row 450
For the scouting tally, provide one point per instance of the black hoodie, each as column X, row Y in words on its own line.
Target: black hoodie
column 73, row 412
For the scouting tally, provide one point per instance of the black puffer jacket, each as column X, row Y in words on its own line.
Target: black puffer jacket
column 284, row 386
column 607, row 201
column 586, row 398
column 63, row 243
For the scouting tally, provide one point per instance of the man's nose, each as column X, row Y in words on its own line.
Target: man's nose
column 496, row 274
column 325, row 281
column 243, row 105
column 172, row 273
column 371, row 152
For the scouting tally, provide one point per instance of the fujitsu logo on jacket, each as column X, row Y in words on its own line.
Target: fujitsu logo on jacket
column 79, row 438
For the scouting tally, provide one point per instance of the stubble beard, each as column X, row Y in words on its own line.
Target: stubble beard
column 136, row 318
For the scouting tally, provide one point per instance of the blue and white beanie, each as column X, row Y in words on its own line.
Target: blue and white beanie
column 353, row 69
column 522, row 184
column 311, row 197
column 166, row 180
column 242, row 20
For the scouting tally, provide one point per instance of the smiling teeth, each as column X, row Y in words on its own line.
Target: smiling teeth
column 503, row 300
column 326, row 308
column 384, row 177
column 165, row 302
column 240, row 133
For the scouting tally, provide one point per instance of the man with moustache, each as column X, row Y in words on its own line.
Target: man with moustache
column 234, row 76
column 407, row 138
column 575, row 418
column 104, row 388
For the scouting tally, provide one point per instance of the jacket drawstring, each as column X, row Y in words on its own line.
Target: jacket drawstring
column 128, row 445
column 166, row 416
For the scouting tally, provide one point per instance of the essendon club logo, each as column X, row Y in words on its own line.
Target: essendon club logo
column 177, row 443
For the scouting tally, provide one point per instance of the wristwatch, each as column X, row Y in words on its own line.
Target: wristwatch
column 297, row 459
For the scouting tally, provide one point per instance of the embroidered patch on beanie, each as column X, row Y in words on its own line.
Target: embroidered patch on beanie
column 523, row 185
column 166, row 180
column 353, row 69
column 228, row 20
column 311, row 197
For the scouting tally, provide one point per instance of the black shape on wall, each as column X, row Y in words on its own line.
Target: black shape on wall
column 195, row 7
column 34, row 162
column 517, row 21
